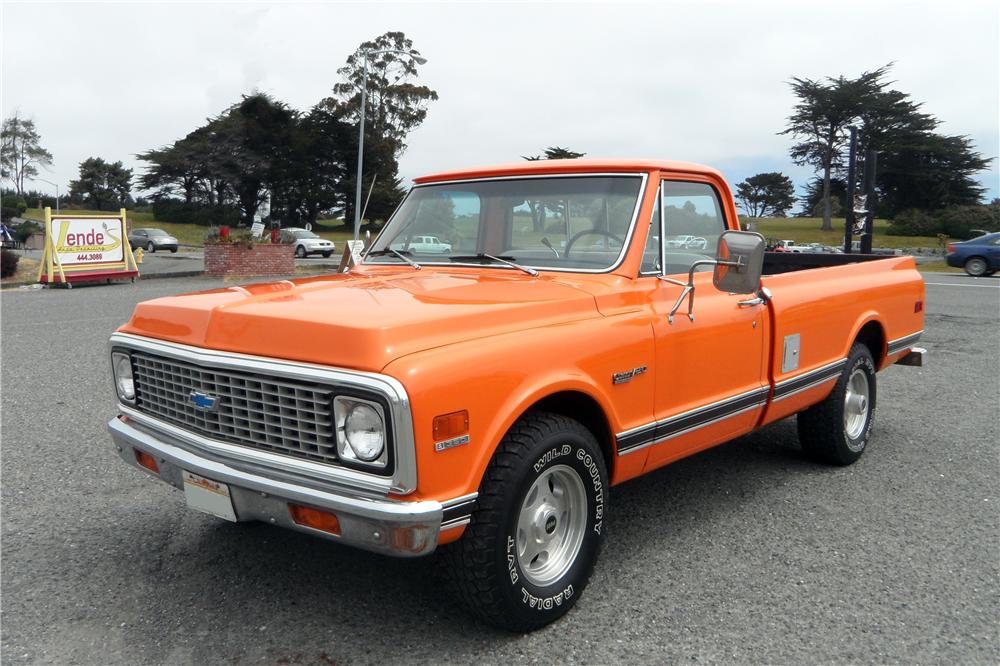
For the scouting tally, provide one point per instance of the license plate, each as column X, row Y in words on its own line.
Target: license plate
column 208, row 496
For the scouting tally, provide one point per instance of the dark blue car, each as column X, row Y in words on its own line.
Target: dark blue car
column 979, row 256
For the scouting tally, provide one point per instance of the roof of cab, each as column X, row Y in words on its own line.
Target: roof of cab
column 535, row 167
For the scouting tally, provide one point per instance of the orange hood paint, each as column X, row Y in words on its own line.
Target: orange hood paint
column 364, row 320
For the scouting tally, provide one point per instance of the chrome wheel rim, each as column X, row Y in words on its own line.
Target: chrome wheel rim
column 551, row 525
column 976, row 266
column 856, row 399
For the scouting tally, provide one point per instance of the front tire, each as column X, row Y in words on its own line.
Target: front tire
column 976, row 267
column 300, row 252
column 836, row 431
column 529, row 551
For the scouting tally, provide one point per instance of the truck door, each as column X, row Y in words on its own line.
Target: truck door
column 710, row 378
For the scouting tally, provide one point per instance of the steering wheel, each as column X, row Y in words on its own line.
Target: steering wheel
column 589, row 232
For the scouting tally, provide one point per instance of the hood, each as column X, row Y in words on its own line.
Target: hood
column 360, row 321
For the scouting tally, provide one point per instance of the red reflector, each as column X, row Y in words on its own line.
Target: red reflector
column 314, row 518
column 950, row 249
column 146, row 460
column 451, row 425
column 918, row 306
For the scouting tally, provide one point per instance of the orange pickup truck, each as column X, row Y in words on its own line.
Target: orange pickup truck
column 586, row 322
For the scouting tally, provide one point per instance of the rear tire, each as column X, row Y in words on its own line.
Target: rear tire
column 976, row 267
column 150, row 247
column 836, row 431
column 537, row 530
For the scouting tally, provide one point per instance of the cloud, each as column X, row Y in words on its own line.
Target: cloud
column 703, row 82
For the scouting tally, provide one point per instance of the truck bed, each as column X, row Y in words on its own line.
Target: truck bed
column 776, row 263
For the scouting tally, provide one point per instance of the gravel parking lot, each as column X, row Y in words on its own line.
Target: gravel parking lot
column 745, row 553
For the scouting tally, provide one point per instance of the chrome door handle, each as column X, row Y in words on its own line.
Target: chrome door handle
column 751, row 302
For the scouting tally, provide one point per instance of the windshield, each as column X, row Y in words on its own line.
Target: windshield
column 156, row 232
column 302, row 233
column 568, row 223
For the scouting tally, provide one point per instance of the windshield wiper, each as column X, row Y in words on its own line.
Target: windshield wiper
column 401, row 254
column 502, row 260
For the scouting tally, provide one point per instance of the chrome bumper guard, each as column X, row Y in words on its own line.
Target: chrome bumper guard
column 402, row 529
column 914, row 359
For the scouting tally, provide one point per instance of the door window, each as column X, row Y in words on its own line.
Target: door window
column 693, row 221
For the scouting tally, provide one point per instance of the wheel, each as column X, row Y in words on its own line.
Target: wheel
column 837, row 430
column 173, row 250
column 300, row 252
column 976, row 266
column 531, row 546
column 150, row 247
column 326, row 255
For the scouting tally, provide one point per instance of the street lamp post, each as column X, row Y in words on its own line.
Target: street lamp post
column 361, row 128
column 56, row 185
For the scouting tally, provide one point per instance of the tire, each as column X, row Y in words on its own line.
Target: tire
column 300, row 252
column 173, row 250
column 976, row 266
column 836, row 431
column 547, row 480
column 150, row 247
column 326, row 255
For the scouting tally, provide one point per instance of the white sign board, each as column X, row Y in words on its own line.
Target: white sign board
column 257, row 229
column 89, row 241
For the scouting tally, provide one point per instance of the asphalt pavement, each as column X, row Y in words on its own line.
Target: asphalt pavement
column 745, row 553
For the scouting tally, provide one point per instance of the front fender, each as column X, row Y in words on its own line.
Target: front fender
column 497, row 379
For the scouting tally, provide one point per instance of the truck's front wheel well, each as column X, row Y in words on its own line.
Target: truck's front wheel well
column 872, row 336
column 581, row 407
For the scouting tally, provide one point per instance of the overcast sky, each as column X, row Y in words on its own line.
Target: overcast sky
column 693, row 81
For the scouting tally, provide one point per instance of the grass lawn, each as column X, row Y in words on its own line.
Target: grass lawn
column 938, row 267
column 27, row 270
column 807, row 230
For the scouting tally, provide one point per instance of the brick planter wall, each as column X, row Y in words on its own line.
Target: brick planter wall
column 232, row 259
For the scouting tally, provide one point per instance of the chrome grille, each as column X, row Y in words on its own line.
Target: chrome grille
column 286, row 416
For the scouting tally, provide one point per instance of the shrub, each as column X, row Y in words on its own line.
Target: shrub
column 23, row 232
column 171, row 210
column 959, row 221
column 914, row 222
column 8, row 263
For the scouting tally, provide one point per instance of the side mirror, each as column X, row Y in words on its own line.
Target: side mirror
column 739, row 262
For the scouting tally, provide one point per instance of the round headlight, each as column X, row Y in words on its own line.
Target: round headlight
column 365, row 432
column 124, row 383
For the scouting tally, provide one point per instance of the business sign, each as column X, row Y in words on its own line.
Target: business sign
column 87, row 241
column 86, row 248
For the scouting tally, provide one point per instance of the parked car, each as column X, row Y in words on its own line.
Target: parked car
column 306, row 242
column 979, row 256
column 488, row 400
column 152, row 240
column 688, row 242
column 422, row 245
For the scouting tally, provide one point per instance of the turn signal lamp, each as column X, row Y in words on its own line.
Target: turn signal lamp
column 315, row 518
column 147, row 461
column 451, row 425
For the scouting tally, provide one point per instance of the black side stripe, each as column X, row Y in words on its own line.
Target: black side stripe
column 457, row 512
column 787, row 387
column 697, row 418
column 898, row 345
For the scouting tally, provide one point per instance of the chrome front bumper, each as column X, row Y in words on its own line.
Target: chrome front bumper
column 403, row 529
